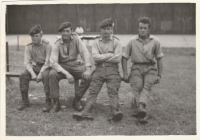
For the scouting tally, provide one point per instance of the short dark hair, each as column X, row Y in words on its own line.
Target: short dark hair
column 144, row 20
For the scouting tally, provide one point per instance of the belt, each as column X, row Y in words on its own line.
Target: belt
column 106, row 65
column 39, row 64
column 69, row 61
column 143, row 63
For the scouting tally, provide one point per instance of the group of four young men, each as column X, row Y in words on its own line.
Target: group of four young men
column 60, row 61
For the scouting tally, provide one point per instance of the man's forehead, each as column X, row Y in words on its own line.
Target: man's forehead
column 68, row 28
column 143, row 24
column 106, row 27
column 35, row 34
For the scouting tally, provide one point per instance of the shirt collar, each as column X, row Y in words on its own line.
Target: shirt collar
column 41, row 43
column 111, row 38
column 150, row 37
column 61, row 40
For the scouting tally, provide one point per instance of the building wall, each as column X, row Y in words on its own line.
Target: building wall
column 166, row 18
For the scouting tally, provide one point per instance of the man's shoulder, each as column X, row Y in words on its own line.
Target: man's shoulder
column 155, row 38
column 97, row 37
column 74, row 34
column 115, row 37
column 134, row 37
column 45, row 41
column 29, row 45
column 58, row 40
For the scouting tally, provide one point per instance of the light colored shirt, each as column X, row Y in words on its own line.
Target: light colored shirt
column 101, row 50
column 79, row 30
column 38, row 54
column 143, row 53
column 63, row 53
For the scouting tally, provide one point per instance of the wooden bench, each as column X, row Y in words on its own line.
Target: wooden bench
column 13, row 74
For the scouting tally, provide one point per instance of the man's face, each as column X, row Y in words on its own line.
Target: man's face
column 66, row 33
column 36, row 38
column 143, row 29
column 106, row 31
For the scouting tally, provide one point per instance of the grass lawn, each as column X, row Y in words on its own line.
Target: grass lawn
column 172, row 106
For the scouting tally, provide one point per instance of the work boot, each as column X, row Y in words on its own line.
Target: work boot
column 48, row 105
column 143, row 120
column 25, row 102
column 117, row 115
column 76, row 104
column 140, row 112
column 85, row 114
column 56, row 105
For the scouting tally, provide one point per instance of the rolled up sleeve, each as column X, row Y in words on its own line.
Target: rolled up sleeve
column 158, row 51
column 28, row 60
column 54, row 59
column 127, row 50
column 47, row 59
column 84, row 53
column 96, row 54
column 117, row 54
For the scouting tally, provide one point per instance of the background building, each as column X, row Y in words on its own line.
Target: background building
column 167, row 18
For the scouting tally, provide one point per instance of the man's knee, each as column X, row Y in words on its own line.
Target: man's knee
column 149, row 82
column 24, row 75
column 137, row 86
column 53, row 73
column 45, row 74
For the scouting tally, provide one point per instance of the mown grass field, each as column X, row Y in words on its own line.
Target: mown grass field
column 172, row 106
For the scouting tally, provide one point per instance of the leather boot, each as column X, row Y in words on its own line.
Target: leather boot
column 141, row 110
column 48, row 105
column 56, row 105
column 76, row 104
column 85, row 114
column 143, row 120
column 117, row 115
column 25, row 102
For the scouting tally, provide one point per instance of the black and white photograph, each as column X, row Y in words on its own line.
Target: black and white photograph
column 82, row 68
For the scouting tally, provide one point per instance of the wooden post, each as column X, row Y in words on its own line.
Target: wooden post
column 7, row 57
column 17, row 43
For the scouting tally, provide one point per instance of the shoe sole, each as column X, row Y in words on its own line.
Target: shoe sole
column 80, row 118
column 140, row 114
column 117, row 117
column 143, row 121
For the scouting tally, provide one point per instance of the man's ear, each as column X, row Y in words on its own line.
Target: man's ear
column 41, row 33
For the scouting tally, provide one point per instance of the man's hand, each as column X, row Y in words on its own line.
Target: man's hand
column 158, row 80
column 34, row 77
column 70, row 78
column 125, row 78
column 87, row 74
column 39, row 77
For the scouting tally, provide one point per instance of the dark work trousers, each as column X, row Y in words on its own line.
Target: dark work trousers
column 142, row 78
column 76, row 69
column 111, row 76
column 25, row 78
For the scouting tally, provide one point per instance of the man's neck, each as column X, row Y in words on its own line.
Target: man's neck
column 106, row 38
column 144, row 37
column 37, row 44
column 66, row 40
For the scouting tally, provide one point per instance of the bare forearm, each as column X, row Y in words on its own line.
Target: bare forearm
column 160, row 66
column 124, row 66
column 102, row 57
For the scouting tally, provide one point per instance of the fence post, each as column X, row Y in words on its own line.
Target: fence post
column 17, row 43
column 7, row 57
